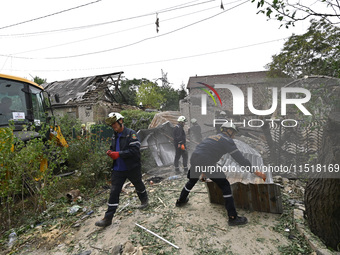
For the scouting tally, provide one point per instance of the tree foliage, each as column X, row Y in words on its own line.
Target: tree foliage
column 143, row 91
column 150, row 95
column 129, row 89
column 288, row 12
column 317, row 52
column 137, row 119
column 39, row 80
column 26, row 169
column 172, row 97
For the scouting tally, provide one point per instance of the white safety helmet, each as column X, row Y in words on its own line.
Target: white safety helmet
column 113, row 117
column 181, row 119
column 193, row 120
column 228, row 125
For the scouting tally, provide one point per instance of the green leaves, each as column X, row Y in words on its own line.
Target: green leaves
column 288, row 13
column 317, row 52
column 149, row 94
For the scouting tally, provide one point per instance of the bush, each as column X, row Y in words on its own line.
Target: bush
column 147, row 161
column 137, row 119
column 21, row 178
column 87, row 156
column 26, row 169
column 69, row 126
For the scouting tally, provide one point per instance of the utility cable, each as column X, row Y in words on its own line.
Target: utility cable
column 108, row 34
column 148, row 38
column 160, row 61
column 128, row 45
column 49, row 15
column 98, row 24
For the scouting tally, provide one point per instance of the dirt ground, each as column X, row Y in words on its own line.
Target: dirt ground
column 200, row 227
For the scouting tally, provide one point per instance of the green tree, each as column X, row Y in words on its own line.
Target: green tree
column 288, row 12
column 182, row 92
column 149, row 94
column 172, row 97
column 316, row 52
column 39, row 80
column 322, row 196
column 129, row 89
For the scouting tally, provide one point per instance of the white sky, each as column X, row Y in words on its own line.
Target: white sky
column 240, row 40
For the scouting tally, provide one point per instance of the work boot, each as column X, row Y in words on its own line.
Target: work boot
column 186, row 169
column 237, row 220
column 177, row 169
column 144, row 204
column 144, row 199
column 180, row 203
column 103, row 223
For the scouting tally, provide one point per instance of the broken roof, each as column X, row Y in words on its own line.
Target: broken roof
column 234, row 78
column 85, row 89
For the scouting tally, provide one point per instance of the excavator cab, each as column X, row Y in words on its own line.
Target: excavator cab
column 26, row 112
column 27, row 107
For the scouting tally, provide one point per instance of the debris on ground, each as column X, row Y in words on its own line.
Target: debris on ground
column 200, row 227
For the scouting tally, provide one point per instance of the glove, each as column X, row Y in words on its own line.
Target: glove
column 261, row 175
column 203, row 178
column 113, row 154
column 183, row 147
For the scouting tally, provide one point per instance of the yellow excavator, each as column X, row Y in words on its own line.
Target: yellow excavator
column 25, row 109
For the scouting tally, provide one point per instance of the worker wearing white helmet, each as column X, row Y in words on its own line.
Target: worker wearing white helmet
column 125, row 152
column 180, row 144
column 207, row 154
column 194, row 133
column 83, row 131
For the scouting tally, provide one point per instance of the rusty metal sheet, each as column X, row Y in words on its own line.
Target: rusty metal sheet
column 261, row 197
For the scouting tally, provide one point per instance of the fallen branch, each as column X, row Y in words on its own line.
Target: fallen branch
column 123, row 207
column 151, row 246
column 161, row 201
column 65, row 174
column 221, row 229
column 157, row 236
column 97, row 248
column 190, row 191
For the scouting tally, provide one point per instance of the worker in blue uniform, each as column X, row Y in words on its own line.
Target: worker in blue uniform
column 125, row 152
column 205, row 156
column 180, row 144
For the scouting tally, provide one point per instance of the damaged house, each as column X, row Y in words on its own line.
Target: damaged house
column 89, row 99
column 293, row 138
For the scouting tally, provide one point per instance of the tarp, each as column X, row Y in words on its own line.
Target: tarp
column 160, row 142
column 235, row 174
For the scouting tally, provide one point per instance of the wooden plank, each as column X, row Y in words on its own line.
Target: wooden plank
column 276, row 199
column 261, row 197
column 264, row 197
column 214, row 192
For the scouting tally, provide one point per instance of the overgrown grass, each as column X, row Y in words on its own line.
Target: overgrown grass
column 30, row 198
column 136, row 119
column 24, row 174
column 298, row 244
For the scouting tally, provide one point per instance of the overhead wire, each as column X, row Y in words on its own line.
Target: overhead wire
column 108, row 22
column 166, row 60
column 49, row 15
column 148, row 38
column 163, row 60
column 108, row 34
column 140, row 41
